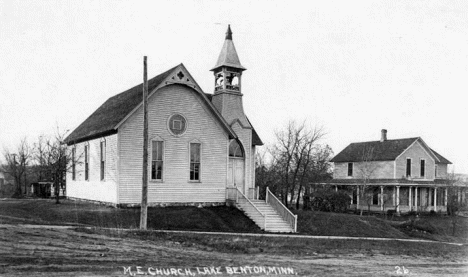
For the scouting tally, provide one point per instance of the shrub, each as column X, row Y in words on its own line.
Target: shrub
column 391, row 212
column 327, row 200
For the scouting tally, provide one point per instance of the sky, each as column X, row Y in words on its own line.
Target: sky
column 352, row 67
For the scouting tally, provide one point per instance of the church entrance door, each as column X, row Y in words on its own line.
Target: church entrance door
column 236, row 167
column 236, row 173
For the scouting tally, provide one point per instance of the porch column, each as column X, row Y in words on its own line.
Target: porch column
column 393, row 197
column 336, row 188
column 410, row 200
column 435, row 199
column 397, row 199
column 357, row 197
column 381, row 199
column 416, row 198
column 446, row 197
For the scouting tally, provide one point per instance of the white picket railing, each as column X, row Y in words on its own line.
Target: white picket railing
column 253, row 193
column 234, row 194
column 284, row 212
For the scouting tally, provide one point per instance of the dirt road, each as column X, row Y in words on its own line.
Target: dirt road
column 66, row 252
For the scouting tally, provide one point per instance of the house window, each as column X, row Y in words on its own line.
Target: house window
column 73, row 163
column 350, row 169
column 86, row 157
column 435, row 171
column 408, row 167
column 103, row 159
column 195, row 161
column 423, row 168
column 157, row 162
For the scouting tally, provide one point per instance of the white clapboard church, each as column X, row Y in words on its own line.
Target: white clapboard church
column 201, row 146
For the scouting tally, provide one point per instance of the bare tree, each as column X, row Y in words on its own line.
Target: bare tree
column 16, row 164
column 318, row 170
column 293, row 155
column 454, row 200
column 53, row 158
column 366, row 169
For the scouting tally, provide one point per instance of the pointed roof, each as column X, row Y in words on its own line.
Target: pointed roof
column 108, row 117
column 387, row 150
column 228, row 55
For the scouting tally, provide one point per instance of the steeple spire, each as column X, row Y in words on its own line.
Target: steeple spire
column 228, row 56
column 229, row 32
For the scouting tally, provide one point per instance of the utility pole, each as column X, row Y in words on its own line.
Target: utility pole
column 144, row 191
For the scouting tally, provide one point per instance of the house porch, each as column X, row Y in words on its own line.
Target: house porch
column 402, row 198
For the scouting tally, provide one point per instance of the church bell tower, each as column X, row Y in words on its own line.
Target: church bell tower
column 227, row 96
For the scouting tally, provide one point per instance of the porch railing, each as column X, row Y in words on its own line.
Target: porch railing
column 284, row 212
column 253, row 193
column 234, row 194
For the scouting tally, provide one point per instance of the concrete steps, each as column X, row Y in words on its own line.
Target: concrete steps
column 274, row 222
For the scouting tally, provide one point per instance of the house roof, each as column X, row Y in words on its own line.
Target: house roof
column 106, row 119
column 228, row 55
column 440, row 157
column 387, row 150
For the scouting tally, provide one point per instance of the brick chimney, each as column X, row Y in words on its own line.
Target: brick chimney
column 384, row 135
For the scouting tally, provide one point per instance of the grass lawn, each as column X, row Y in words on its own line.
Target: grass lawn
column 47, row 251
column 45, row 211
column 227, row 219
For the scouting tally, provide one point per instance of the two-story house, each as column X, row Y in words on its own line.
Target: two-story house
column 401, row 174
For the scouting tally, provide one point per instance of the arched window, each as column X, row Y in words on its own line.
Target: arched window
column 235, row 149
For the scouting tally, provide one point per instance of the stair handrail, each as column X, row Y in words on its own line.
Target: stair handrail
column 269, row 196
column 252, row 204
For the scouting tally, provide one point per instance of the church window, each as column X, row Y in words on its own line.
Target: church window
column 235, row 149
column 103, row 159
column 73, row 163
column 86, row 161
column 195, row 161
column 177, row 124
column 157, row 159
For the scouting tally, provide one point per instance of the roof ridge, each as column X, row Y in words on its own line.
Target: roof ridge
column 413, row 138
column 150, row 80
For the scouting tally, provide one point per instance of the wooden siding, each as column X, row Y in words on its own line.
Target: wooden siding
column 94, row 188
column 230, row 106
column 201, row 127
column 416, row 152
column 441, row 171
column 381, row 170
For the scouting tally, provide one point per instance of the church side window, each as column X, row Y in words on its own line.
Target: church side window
column 73, row 163
column 86, row 161
column 103, row 159
column 195, row 161
column 157, row 160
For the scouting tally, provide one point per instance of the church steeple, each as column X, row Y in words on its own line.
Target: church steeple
column 228, row 69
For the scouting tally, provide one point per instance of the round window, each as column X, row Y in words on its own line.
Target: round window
column 177, row 124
